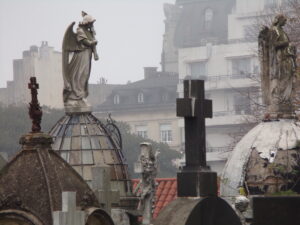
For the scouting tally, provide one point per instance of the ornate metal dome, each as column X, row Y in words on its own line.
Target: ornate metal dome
column 84, row 141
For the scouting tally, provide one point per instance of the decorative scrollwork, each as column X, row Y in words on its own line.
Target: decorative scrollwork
column 114, row 131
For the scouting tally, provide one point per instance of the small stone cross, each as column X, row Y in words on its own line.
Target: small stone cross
column 35, row 111
column 101, row 185
column 69, row 214
column 194, row 108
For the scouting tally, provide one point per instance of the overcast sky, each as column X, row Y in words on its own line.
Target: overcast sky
column 129, row 33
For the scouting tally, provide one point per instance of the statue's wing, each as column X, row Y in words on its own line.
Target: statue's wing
column 264, row 58
column 69, row 45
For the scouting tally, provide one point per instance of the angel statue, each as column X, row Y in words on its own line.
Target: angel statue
column 78, row 49
column 278, row 67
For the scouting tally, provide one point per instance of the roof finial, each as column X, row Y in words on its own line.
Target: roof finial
column 35, row 111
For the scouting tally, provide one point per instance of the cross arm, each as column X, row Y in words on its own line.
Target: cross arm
column 189, row 107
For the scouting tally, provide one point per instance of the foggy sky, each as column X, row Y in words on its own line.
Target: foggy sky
column 129, row 33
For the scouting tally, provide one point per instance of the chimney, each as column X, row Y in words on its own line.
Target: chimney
column 149, row 72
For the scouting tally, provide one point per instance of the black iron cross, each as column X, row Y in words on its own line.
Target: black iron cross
column 194, row 108
column 35, row 111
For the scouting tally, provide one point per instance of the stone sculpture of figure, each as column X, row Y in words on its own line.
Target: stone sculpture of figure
column 147, row 159
column 77, row 55
column 278, row 66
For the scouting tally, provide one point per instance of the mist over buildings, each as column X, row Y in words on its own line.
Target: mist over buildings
column 129, row 33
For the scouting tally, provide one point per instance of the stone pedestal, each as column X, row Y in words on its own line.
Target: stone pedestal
column 79, row 109
column 197, row 183
column 276, row 210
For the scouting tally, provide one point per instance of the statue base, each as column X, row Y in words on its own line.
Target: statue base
column 79, row 109
column 77, row 106
column 197, row 183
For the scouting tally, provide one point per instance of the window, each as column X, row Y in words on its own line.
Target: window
column 141, row 130
column 116, row 99
column 208, row 17
column 198, row 70
column 165, row 133
column 241, row 66
column 140, row 98
column 242, row 105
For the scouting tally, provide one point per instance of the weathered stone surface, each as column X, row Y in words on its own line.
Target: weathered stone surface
column 281, row 174
column 204, row 211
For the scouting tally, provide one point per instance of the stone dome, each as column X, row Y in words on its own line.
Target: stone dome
column 266, row 160
column 31, row 184
column 84, row 141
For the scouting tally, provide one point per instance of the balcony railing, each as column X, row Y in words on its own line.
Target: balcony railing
column 239, row 110
column 219, row 149
column 222, row 77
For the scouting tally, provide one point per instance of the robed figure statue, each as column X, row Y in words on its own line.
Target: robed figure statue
column 278, row 66
column 78, row 49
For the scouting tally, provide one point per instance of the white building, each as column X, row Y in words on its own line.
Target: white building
column 44, row 63
column 217, row 41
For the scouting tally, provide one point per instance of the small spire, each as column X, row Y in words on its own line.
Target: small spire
column 35, row 111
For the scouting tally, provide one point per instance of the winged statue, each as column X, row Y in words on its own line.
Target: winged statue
column 77, row 51
column 277, row 67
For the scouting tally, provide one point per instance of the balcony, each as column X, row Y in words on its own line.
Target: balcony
column 226, row 81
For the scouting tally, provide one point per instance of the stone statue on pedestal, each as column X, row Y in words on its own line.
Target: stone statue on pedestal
column 278, row 66
column 78, row 49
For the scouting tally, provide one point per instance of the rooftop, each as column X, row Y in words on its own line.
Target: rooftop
column 166, row 191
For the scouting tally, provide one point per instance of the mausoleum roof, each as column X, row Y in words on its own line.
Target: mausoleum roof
column 267, row 139
column 33, row 181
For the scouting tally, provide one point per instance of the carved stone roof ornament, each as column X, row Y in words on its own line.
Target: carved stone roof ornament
column 278, row 66
column 77, row 51
column 35, row 111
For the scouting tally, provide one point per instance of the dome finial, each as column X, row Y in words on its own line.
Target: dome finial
column 35, row 111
